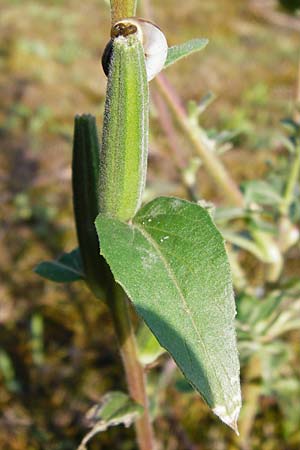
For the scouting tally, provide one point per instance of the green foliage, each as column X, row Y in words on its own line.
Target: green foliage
column 261, row 192
column 67, row 268
column 181, row 51
column 247, row 109
column 290, row 5
column 261, row 321
column 293, row 129
column 8, row 372
column 183, row 386
column 172, row 263
column 85, row 183
column 262, row 326
column 148, row 346
column 115, row 408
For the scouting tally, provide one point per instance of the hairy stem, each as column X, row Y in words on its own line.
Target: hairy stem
column 135, row 375
column 122, row 8
column 211, row 162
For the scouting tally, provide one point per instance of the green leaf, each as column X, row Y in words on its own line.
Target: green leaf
column 183, row 386
column 85, row 183
column 148, row 346
column 180, row 51
column 8, row 373
column 291, row 125
column 114, row 409
column 225, row 214
column 172, row 263
column 261, row 192
column 246, row 244
column 195, row 109
column 67, row 268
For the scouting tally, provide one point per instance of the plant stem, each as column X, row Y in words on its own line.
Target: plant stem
column 297, row 113
column 211, row 162
column 134, row 371
column 291, row 184
column 122, row 8
column 166, row 123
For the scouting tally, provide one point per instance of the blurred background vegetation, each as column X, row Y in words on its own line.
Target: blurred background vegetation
column 57, row 351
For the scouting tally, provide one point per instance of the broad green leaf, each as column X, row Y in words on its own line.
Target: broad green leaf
column 67, row 268
column 180, row 51
column 183, row 386
column 114, row 409
column 172, row 263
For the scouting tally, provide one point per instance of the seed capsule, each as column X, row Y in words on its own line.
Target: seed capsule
column 124, row 149
column 152, row 38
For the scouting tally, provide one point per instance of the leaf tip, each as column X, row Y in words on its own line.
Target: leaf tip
column 35, row 269
column 228, row 417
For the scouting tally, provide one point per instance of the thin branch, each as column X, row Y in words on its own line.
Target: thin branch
column 210, row 161
column 167, row 125
column 122, row 8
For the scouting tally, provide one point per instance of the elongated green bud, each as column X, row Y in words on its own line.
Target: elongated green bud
column 85, row 179
column 123, row 156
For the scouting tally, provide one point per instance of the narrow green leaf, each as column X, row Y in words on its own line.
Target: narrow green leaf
column 195, row 109
column 85, row 183
column 67, row 268
column 8, row 373
column 180, row 51
column 225, row 214
column 261, row 192
column 172, row 263
column 115, row 408
column 246, row 244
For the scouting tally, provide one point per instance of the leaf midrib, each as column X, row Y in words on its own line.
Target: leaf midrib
column 68, row 268
column 177, row 286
